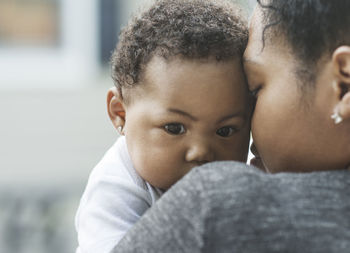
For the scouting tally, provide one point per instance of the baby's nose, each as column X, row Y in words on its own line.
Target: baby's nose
column 199, row 153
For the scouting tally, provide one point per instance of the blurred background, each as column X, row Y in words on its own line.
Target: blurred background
column 54, row 128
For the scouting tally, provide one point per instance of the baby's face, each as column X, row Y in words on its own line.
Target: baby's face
column 187, row 113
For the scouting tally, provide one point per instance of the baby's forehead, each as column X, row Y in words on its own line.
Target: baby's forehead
column 159, row 64
column 179, row 69
column 206, row 89
column 179, row 75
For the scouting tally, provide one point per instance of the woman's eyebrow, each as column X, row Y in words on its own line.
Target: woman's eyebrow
column 183, row 113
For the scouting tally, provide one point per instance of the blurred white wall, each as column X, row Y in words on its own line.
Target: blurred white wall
column 70, row 65
column 74, row 63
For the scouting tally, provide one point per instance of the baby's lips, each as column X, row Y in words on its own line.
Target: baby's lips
column 254, row 150
column 257, row 162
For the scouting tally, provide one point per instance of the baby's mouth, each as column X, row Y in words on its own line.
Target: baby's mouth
column 254, row 150
column 256, row 160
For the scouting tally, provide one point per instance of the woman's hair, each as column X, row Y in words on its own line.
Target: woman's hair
column 311, row 27
column 193, row 29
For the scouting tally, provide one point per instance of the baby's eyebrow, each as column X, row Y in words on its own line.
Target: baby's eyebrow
column 233, row 115
column 186, row 114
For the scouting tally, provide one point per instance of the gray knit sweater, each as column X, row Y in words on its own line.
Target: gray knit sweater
column 232, row 207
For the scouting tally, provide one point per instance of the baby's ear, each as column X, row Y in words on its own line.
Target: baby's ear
column 116, row 108
column 341, row 63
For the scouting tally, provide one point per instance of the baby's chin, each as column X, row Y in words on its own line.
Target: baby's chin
column 163, row 184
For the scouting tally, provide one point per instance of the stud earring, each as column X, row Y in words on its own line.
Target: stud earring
column 335, row 84
column 337, row 118
column 120, row 130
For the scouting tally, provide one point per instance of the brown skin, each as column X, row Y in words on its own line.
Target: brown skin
column 289, row 133
column 201, row 97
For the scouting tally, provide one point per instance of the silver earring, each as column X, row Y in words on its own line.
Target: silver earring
column 335, row 84
column 120, row 130
column 337, row 118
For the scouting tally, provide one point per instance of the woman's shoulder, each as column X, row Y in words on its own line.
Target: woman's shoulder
column 289, row 210
column 239, row 181
column 240, row 173
column 233, row 207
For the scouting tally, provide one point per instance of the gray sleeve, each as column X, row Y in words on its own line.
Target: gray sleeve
column 231, row 207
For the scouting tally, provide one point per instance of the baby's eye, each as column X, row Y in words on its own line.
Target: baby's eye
column 175, row 128
column 226, row 131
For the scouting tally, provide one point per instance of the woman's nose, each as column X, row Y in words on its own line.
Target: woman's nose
column 200, row 153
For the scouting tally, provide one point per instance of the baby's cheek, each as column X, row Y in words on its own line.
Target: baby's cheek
column 238, row 149
column 147, row 165
column 163, row 170
column 143, row 164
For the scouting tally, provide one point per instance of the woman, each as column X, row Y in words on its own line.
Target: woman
column 299, row 70
column 298, row 67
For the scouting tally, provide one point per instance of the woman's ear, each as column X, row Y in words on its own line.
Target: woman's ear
column 341, row 64
column 116, row 108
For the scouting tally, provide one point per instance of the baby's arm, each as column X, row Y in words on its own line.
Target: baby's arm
column 108, row 209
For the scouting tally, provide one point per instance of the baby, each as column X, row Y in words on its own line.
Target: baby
column 180, row 100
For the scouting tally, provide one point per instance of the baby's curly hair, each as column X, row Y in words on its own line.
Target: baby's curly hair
column 192, row 29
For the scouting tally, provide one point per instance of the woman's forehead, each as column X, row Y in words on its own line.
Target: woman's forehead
column 255, row 32
column 263, row 42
